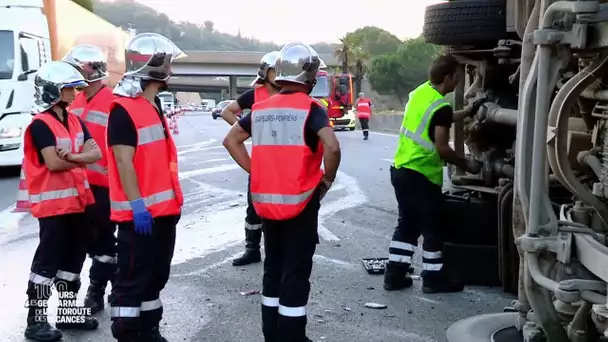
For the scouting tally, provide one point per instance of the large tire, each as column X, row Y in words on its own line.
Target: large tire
column 465, row 22
column 480, row 328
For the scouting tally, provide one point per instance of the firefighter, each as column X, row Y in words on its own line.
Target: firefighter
column 92, row 105
column 364, row 113
column 57, row 145
column 417, row 176
column 291, row 136
column 145, row 194
column 264, row 88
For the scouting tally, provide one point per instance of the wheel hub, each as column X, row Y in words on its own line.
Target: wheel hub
column 508, row 334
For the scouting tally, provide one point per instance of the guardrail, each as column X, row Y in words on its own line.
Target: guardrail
column 386, row 122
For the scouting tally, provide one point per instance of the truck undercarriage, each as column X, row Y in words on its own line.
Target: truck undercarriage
column 543, row 138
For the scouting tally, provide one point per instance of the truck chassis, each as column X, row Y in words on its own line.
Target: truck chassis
column 543, row 138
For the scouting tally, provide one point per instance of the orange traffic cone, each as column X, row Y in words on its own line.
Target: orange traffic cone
column 23, row 201
column 175, row 126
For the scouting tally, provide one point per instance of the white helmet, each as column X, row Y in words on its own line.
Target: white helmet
column 269, row 61
column 148, row 58
column 89, row 60
column 50, row 79
column 298, row 63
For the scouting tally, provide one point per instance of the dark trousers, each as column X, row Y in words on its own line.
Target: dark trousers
column 144, row 264
column 253, row 224
column 103, row 244
column 364, row 126
column 58, row 259
column 420, row 203
column 289, row 247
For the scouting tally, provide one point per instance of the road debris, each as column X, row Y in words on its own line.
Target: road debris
column 374, row 265
column 375, row 305
column 250, row 292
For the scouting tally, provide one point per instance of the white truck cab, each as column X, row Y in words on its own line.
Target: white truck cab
column 24, row 46
column 167, row 100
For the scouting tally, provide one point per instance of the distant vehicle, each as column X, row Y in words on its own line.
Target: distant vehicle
column 217, row 111
column 33, row 32
column 167, row 100
column 208, row 104
column 336, row 93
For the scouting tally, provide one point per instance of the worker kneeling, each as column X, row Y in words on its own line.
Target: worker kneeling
column 57, row 146
column 145, row 194
column 291, row 136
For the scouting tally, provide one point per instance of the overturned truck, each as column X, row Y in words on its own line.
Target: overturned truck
column 542, row 135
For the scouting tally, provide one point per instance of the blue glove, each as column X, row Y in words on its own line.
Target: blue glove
column 141, row 217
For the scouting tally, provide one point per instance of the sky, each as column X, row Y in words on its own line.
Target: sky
column 402, row 18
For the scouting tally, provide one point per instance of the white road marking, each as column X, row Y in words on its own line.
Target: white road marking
column 9, row 221
column 385, row 134
column 198, row 144
column 355, row 197
column 343, row 264
column 209, row 161
column 208, row 268
column 204, row 171
column 196, row 147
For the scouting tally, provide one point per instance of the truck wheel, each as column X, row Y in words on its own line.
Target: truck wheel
column 486, row 328
column 465, row 22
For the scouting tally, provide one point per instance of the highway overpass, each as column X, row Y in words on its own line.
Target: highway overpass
column 225, row 63
column 206, row 84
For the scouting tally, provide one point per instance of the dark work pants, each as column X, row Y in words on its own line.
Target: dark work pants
column 144, row 264
column 59, row 257
column 289, row 248
column 420, row 203
column 103, row 244
column 364, row 126
column 253, row 224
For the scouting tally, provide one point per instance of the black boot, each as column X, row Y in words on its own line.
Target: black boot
column 396, row 277
column 365, row 135
column 94, row 298
column 152, row 334
column 439, row 282
column 40, row 330
column 252, row 248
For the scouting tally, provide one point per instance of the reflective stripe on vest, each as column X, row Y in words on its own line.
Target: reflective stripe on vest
column 97, row 168
column 417, row 136
column 56, row 194
column 148, row 200
column 281, row 199
column 93, row 116
column 279, row 127
column 150, row 134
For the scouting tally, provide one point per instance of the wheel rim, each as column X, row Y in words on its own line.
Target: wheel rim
column 508, row 334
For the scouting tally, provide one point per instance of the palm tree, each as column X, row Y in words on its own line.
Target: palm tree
column 353, row 58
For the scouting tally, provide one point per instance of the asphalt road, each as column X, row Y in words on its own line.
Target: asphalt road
column 203, row 300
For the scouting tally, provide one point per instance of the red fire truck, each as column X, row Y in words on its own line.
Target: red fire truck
column 336, row 92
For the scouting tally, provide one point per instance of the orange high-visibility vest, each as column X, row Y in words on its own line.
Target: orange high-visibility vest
column 260, row 94
column 364, row 108
column 285, row 172
column 53, row 193
column 95, row 115
column 155, row 163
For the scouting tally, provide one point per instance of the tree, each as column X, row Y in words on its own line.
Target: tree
column 400, row 72
column 208, row 25
column 357, row 48
column 88, row 4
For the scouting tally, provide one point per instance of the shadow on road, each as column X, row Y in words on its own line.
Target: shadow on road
column 12, row 171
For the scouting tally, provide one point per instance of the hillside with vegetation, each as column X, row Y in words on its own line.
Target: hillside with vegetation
column 393, row 67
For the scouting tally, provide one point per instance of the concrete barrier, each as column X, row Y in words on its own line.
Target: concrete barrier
column 386, row 122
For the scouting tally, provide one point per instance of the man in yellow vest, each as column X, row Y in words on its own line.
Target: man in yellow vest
column 417, row 176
